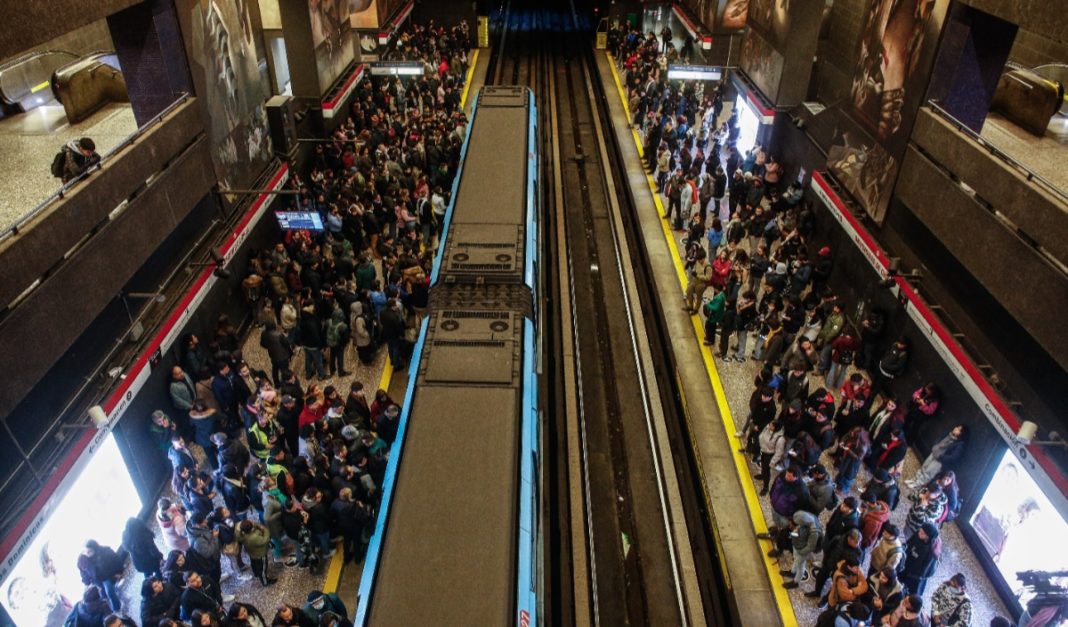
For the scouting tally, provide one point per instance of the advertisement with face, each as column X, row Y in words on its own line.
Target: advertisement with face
column 731, row 15
column 45, row 583
column 1018, row 526
column 762, row 64
column 225, row 64
column 895, row 53
column 894, row 57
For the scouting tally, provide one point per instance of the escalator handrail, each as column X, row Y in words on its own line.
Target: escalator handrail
column 15, row 227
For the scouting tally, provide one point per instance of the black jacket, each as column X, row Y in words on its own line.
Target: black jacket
column 277, row 346
column 163, row 605
column 206, row 599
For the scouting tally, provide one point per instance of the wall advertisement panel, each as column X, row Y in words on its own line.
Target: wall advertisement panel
column 762, row 63
column 225, row 64
column 332, row 37
column 894, row 56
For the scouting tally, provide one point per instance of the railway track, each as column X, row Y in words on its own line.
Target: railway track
column 627, row 539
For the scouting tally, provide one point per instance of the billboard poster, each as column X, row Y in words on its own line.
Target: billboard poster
column 895, row 53
column 332, row 38
column 225, row 65
column 770, row 18
column 1014, row 522
column 363, row 14
column 762, row 63
column 863, row 167
column 731, row 15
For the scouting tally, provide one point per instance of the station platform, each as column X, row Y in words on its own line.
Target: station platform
column 716, row 397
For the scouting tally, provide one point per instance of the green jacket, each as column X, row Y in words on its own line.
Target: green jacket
column 832, row 327
column 255, row 541
column 714, row 308
column 365, row 276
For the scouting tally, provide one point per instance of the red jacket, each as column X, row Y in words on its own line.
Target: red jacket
column 871, row 524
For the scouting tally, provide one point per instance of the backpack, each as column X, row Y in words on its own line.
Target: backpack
column 58, row 162
column 829, row 616
column 899, row 550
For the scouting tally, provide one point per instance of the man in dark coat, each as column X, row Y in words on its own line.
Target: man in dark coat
column 278, row 348
column 103, row 567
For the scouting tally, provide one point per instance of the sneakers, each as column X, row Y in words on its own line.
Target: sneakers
column 790, row 585
column 765, row 536
column 224, row 577
column 290, row 561
column 812, row 595
column 774, row 553
column 228, row 598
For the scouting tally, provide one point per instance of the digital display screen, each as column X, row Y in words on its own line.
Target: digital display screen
column 1018, row 526
column 299, row 220
column 45, row 584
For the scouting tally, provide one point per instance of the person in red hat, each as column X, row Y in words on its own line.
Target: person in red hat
column 821, row 270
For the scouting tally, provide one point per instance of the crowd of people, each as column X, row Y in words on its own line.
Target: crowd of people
column 270, row 471
column 822, row 413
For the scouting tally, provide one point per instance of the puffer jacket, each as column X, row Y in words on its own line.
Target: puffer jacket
column 204, row 542
column 173, row 530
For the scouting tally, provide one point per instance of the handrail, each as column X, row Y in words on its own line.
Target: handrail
column 997, row 152
column 13, row 229
column 22, row 58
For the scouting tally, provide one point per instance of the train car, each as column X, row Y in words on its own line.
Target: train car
column 455, row 539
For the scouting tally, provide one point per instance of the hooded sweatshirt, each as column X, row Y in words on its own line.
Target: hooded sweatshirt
column 871, row 523
column 952, row 605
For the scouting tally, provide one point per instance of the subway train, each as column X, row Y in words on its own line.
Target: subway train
column 456, row 536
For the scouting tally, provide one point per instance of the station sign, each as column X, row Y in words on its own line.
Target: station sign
column 695, row 72
column 396, row 68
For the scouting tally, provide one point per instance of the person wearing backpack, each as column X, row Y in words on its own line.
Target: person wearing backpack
column 950, row 605
column 337, row 337
column 806, row 535
column 884, row 593
column 714, row 310
column 889, row 552
column 74, row 159
column 909, row 614
column 848, row 583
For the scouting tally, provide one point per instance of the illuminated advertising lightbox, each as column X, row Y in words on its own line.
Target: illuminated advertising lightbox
column 748, row 124
column 1018, row 526
column 45, row 584
column 299, row 220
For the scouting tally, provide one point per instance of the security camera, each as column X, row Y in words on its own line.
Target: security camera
column 98, row 416
column 1027, row 432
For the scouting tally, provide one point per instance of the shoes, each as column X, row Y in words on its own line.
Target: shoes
column 343, row 373
column 270, row 581
column 774, row 553
column 790, row 585
column 812, row 595
column 228, row 598
column 738, row 434
column 765, row 536
column 707, row 343
column 786, row 572
column 805, row 577
column 764, row 492
column 290, row 561
column 244, row 576
column 224, row 577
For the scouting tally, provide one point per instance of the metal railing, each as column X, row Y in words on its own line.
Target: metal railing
column 14, row 228
column 1029, row 174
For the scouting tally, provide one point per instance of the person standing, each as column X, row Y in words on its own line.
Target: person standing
column 255, row 538
column 807, row 536
column 950, row 605
column 922, row 552
column 890, row 366
column 103, row 567
column 697, row 282
column 279, row 350
column 944, row 454
column 138, row 540
column 75, row 159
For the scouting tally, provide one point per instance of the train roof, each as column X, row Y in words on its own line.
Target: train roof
column 451, row 533
column 489, row 216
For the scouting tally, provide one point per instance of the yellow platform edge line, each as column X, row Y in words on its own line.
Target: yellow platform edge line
column 782, row 600
column 337, row 562
column 470, row 75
